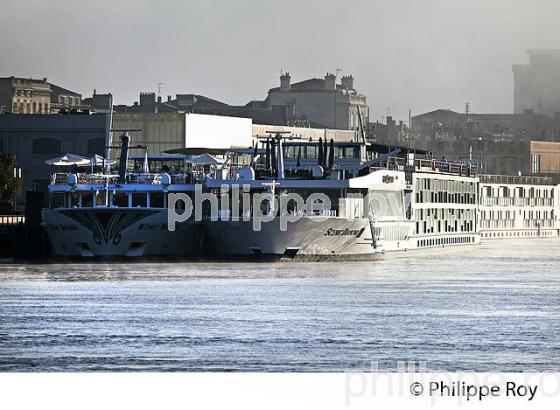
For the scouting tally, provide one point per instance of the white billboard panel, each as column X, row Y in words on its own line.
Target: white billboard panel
column 214, row 131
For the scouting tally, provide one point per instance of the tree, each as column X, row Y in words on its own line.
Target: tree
column 7, row 164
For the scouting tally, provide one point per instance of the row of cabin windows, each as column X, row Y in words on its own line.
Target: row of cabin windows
column 516, row 192
column 444, row 241
column 528, row 215
column 435, row 190
column 443, row 213
column 118, row 199
column 444, row 197
column 423, row 227
column 445, row 220
column 517, row 234
column 449, row 185
column 53, row 146
column 312, row 151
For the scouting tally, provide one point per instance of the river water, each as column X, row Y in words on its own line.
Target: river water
column 493, row 307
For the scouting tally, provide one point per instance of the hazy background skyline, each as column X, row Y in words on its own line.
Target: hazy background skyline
column 422, row 55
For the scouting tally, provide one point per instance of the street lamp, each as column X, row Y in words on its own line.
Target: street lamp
column 17, row 174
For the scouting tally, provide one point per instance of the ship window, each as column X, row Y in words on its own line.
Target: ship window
column 290, row 151
column 74, row 199
column 139, row 199
column 156, row 199
column 351, row 152
column 120, row 199
column 87, row 199
column 311, row 151
column 100, row 198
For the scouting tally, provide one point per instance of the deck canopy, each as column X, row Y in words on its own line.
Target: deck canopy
column 205, row 159
column 73, row 160
column 213, row 151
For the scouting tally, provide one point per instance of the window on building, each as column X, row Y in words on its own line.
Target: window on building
column 535, row 163
column 96, row 146
column 40, row 185
column 50, row 146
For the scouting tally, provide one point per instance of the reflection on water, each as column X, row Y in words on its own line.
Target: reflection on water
column 490, row 308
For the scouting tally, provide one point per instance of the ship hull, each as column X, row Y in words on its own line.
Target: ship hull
column 329, row 238
column 119, row 232
column 307, row 238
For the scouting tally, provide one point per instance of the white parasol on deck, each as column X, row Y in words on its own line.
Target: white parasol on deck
column 68, row 160
column 205, row 159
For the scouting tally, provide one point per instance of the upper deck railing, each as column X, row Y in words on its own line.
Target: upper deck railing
column 433, row 165
column 132, row 178
column 515, row 180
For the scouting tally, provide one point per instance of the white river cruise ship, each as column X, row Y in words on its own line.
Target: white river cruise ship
column 105, row 215
column 382, row 199
column 518, row 207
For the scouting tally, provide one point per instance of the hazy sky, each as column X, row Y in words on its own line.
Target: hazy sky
column 418, row 54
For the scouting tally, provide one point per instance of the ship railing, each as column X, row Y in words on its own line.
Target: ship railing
column 185, row 178
column 61, row 178
column 227, row 214
column 144, row 178
column 516, row 179
column 434, row 165
column 452, row 167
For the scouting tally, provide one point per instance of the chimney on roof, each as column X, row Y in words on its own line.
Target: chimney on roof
column 348, row 82
column 159, row 99
column 45, row 80
column 168, row 98
column 147, row 98
column 94, row 91
column 285, row 82
column 330, row 81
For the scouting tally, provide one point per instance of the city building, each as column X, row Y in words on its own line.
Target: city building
column 320, row 102
column 63, row 99
column 98, row 102
column 545, row 157
column 33, row 139
column 313, row 103
column 25, row 96
column 32, row 96
column 390, row 133
column 164, row 131
column 536, row 85
column 159, row 131
column 450, row 125
column 500, row 142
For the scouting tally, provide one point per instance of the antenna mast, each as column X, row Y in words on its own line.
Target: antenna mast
column 338, row 71
column 467, row 111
